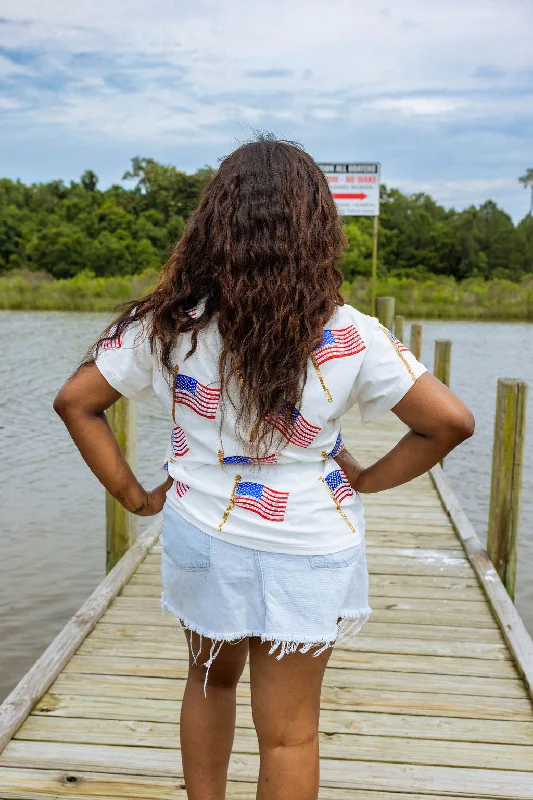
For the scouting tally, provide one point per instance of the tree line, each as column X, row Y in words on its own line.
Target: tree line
column 65, row 229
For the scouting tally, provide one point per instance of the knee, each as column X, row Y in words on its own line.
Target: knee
column 284, row 738
column 221, row 678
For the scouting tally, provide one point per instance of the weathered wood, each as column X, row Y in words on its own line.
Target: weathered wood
column 506, row 486
column 513, row 629
column 442, row 361
column 37, row 681
column 399, row 327
column 416, row 340
column 499, row 784
column 400, row 748
column 385, row 311
column 121, row 526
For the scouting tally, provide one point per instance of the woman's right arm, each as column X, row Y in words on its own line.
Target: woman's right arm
column 438, row 422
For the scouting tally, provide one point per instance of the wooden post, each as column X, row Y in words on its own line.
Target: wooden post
column 373, row 282
column 416, row 341
column 121, row 526
column 506, row 486
column 399, row 325
column 443, row 357
column 385, row 311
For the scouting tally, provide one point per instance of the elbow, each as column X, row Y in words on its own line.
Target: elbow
column 461, row 426
column 62, row 403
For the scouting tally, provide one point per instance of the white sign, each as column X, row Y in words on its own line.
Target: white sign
column 355, row 188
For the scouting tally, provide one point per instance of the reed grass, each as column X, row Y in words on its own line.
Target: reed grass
column 433, row 298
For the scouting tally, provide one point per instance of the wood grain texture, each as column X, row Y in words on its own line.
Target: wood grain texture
column 425, row 702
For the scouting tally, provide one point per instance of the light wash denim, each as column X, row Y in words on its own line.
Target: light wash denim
column 226, row 592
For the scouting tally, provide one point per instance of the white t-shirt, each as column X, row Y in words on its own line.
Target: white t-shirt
column 300, row 501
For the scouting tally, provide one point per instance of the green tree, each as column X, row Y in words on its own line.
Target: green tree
column 527, row 182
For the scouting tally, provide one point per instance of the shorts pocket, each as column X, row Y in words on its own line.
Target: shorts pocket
column 186, row 545
column 344, row 558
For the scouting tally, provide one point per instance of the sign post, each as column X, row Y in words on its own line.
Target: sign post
column 355, row 189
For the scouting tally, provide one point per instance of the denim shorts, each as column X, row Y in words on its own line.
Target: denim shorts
column 227, row 592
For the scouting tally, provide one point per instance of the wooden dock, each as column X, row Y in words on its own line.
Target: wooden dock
column 431, row 700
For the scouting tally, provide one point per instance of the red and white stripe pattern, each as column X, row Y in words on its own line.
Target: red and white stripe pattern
column 181, row 489
column 179, row 442
column 338, row 344
column 399, row 345
column 262, row 500
column 113, row 340
column 203, row 400
column 298, row 431
column 338, row 485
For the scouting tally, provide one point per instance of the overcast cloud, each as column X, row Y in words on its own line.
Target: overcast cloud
column 440, row 93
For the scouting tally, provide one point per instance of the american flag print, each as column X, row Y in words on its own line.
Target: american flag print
column 400, row 346
column 113, row 340
column 337, row 483
column 338, row 344
column 192, row 312
column 298, row 431
column 248, row 460
column 337, row 447
column 165, row 466
column 179, row 442
column 260, row 499
column 203, row 400
column 181, row 489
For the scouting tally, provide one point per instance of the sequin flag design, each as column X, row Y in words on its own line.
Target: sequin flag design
column 181, row 489
column 400, row 349
column 338, row 344
column 400, row 346
column 192, row 312
column 203, row 400
column 179, row 442
column 298, row 431
column 338, row 485
column 260, row 499
column 113, row 340
column 272, row 459
column 165, row 466
column 337, row 447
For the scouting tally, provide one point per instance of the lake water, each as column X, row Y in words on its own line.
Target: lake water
column 52, row 529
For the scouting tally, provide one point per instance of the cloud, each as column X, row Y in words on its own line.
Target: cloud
column 432, row 90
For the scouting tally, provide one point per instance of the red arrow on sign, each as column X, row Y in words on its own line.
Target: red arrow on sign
column 343, row 196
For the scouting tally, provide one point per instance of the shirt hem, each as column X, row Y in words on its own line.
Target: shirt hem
column 252, row 543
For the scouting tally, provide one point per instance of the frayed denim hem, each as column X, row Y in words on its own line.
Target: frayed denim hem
column 349, row 625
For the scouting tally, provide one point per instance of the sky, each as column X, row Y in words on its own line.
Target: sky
column 441, row 93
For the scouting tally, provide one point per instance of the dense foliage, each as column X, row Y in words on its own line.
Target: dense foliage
column 63, row 230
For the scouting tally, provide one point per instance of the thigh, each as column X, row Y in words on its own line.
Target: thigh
column 285, row 693
column 224, row 660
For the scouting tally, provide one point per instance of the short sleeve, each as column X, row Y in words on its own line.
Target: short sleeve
column 125, row 360
column 387, row 372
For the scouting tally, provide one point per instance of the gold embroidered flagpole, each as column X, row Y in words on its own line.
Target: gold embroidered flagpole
column 176, row 370
column 238, row 478
column 339, row 509
column 321, row 379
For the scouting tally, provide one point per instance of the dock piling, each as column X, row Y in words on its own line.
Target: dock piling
column 443, row 357
column 121, row 526
column 385, row 311
column 399, row 326
column 506, row 486
column 416, row 341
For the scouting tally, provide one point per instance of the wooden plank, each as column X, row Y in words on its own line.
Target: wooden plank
column 338, row 774
column 339, row 677
column 140, row 662
column 37, row 681
column 513, row 629
column 398, row 749
column 40, row 784
column 331, row 720
column 165, row 645
column 420, row 700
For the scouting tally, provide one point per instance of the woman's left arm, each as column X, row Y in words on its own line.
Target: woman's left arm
column 81, row 404
column 438, row 422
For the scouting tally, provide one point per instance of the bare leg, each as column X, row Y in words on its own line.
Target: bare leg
column 286, row 709
column 208, row 722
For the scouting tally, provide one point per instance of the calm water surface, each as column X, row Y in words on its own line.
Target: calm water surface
column 52, row 530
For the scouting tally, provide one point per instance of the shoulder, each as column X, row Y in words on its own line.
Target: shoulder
column 347, row 315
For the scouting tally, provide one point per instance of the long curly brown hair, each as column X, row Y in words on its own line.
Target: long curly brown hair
column 262, row 251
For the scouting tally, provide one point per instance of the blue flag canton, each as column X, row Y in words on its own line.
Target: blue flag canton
column 328, row 337
column 337, row 447
column 250, row 489
column 185, row 383
column 335, row 479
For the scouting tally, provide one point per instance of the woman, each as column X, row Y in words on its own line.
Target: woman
column 248, row 344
